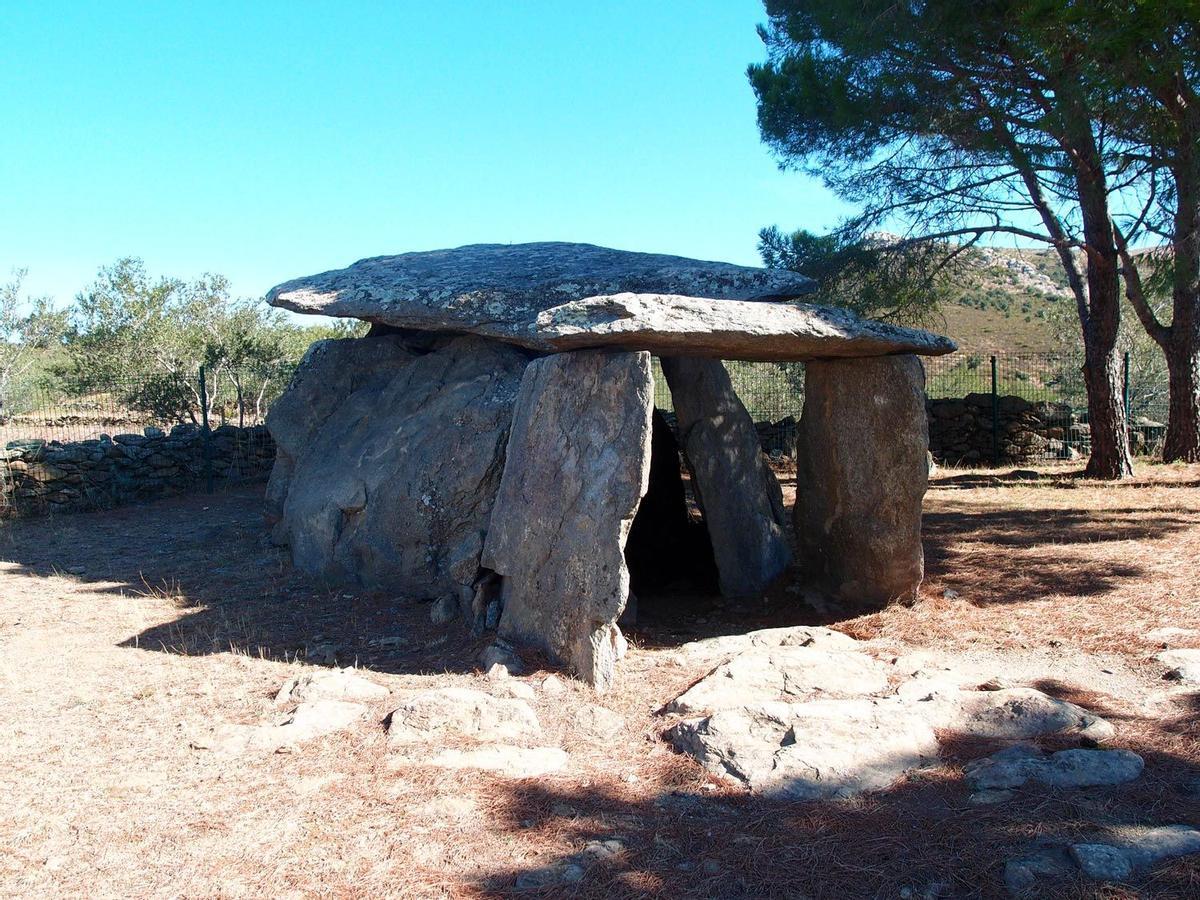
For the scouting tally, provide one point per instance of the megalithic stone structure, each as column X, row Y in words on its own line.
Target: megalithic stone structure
column 740, row 497
column 495, row 427
column 577, row 466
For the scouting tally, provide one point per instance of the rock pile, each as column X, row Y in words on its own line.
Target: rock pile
column 961, row 431
column 489, row 443
column 125, row 468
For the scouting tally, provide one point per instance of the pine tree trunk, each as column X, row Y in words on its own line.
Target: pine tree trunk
column 1110, row 457
column 1182, row 443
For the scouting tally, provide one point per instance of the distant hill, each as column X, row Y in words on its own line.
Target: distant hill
column 1007, row 302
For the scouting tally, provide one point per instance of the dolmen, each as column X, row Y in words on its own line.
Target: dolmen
column 491, row 440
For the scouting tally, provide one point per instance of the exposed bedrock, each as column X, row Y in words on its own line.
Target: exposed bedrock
column 861, row 474
column 738, row 493
column 390, row 478
column 578, row 463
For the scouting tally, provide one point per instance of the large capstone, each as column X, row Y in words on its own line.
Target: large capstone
column 558, row 296
column 861, row 475
column 577, row 465
column 392, row 486
column 738, row 493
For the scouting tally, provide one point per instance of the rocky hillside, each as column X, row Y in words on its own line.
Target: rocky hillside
column 1008, row 302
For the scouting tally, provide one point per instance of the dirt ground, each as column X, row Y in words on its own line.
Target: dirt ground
column 128, row 636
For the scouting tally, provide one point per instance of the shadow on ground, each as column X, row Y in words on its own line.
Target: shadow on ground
column 923, row 835
column 234, row 592
column 209, row 556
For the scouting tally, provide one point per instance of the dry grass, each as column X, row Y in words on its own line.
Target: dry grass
column 124, row 634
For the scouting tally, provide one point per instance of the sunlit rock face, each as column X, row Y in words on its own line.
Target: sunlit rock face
column 557, row 296
column 490, row 443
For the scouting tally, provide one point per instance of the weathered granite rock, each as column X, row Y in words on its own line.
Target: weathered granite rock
column 395, row 488
column 807, row 751
column 329, row 373
column 1078, row 768
column 861, row 474
column 727, row 645
column 329, row 684
column 577, row 465
column 1182, row 665
column 458, row 713
column 1019, row 714
column 805, row 713
column 562, row 296
column 781, row 674
column 1110, row 857
column 1135, row 848
column 740, row 497
column 310, row 720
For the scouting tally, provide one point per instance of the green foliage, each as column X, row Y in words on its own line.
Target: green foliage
column 873, row 276
column 30, row 331
column 147, row 338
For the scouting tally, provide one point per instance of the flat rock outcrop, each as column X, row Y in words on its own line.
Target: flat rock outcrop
column 424, row 717
column 807, row 713
column 578, row 464
column 554, row 297
column 862, row 472
column 1016, row 766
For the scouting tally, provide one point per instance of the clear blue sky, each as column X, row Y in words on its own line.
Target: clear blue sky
column 270, row 140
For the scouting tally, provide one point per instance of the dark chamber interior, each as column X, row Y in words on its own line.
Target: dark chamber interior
column 669, row 555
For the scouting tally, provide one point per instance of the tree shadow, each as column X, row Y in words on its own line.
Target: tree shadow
column 1062, row 480
column 233, row 592
column 924, row 835
column 1026, row 555
column 208, row 555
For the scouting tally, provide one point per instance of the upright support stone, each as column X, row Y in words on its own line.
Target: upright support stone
column 394, row 489
column 740, row 496
column 329, row 373
column 576, row 468
column 861, row 474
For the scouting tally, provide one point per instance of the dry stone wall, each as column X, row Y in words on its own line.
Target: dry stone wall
column 961, row 431
column 40, row 476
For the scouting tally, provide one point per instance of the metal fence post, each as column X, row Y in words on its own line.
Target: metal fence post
column 205, row 434
column 995, row 413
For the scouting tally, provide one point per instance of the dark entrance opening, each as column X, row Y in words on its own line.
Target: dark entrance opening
column 670, row 558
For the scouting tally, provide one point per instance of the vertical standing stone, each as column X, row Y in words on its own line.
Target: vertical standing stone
column 861, row 461
column 394, row 489
column 329, row 373
column 576, row 467
column 740, row 496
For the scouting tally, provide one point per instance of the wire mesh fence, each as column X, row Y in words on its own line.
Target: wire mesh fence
column 983, row 408
column 1019, row 407
column 100, row 441
column 96, row 441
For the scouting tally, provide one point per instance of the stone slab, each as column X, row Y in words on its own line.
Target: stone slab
column 555, row 296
